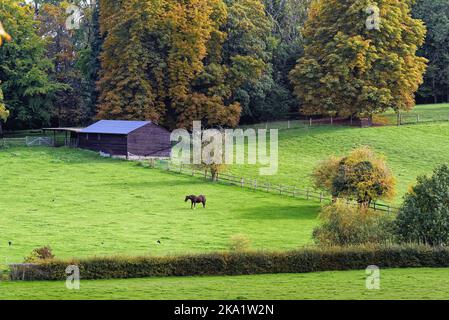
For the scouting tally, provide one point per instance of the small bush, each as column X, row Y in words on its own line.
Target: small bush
column 424, row 216
column 346, row 224
column 239, row 242
column 40, row 254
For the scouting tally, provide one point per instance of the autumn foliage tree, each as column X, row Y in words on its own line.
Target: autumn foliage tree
column 171, row 62
column 351, row 69
column 68, row 108
column 362, row 176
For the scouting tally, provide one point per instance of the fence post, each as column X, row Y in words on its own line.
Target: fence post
column 294, row 192
column 280, row 189
column 205, row 174
column 417, row 118
column 308, row 194
column 255, row 184
column 321, row 197
column 242, row 182
column 310, row 121
column 332, row 120
column 389, row 209
column 288, row 124
column 375, row 209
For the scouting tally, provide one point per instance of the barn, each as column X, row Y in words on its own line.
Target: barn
column 128, row 139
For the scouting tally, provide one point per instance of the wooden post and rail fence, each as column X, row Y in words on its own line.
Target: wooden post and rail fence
column 258, row 185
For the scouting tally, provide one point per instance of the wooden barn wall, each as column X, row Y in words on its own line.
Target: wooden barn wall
column 149, row 141
column 112, row 144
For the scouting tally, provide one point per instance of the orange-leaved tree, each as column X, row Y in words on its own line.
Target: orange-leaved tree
column 169, row 61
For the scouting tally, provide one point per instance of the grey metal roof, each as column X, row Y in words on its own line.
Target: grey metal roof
column 115, row 126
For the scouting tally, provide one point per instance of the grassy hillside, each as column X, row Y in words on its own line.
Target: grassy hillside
column 410, row 151
column 83, row 205
column 395, row 284
column 426, row 112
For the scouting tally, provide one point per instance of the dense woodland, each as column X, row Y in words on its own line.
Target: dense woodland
column 222, row 61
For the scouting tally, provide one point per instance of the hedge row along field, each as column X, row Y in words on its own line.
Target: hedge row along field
column 244, row 263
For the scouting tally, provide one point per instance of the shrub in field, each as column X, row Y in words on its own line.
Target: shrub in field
column 424, row 216
column 40, row 254
column 346, row 224
column 239, row 242
column 362, row 176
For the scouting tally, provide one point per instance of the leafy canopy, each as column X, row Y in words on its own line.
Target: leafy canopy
column 362, row 176
column 348, row 69
column 424, row 216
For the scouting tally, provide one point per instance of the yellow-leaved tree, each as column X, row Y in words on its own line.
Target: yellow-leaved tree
column 360, row 58
column 362, row 176
column 174, row 62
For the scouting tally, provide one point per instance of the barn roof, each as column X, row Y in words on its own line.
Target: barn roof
column 115, row 126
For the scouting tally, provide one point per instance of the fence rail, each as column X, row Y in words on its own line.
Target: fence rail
column 12, row 142
column 258, row 185
column 29, row 141
column 299, row 122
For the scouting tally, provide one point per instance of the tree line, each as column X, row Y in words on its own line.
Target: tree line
column 223, row 62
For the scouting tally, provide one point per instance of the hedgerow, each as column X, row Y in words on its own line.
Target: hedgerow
column 240, row 263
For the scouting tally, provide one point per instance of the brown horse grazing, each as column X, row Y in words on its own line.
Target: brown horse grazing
column 195, row 200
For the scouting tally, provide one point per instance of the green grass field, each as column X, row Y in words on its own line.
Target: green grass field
column 426, row 112
column 82, row 205
column 399, row 284
column 410, row 151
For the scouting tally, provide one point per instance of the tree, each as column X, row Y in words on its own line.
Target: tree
column 153, row 53
column 175, row 62
column 362, row 176
column 288, row 18
column 249, row 41
column 24, row 69
column 424, row 216
column 435, row 14
column 213, row 157
column 4, row 113
column 351, row 69
column 88, row 62
column 69, row 108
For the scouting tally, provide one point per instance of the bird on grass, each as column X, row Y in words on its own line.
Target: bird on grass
column 4, row 35
column 159, row 242
column 10, row 243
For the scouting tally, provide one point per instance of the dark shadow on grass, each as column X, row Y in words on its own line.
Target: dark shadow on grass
column 157, row 183
column 306, row 212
